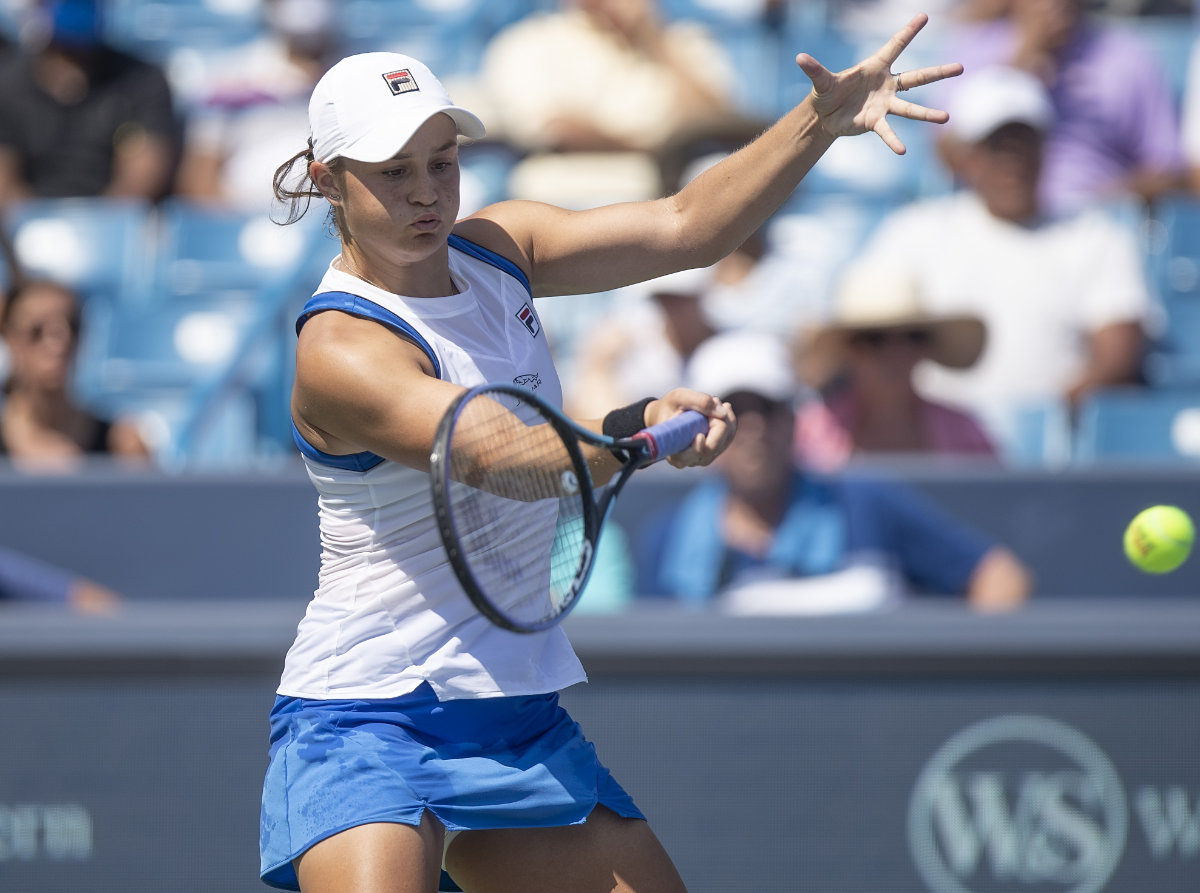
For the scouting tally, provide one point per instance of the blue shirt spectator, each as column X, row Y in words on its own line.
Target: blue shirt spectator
column 764, row 536
column 27, row 579
column 829, row 525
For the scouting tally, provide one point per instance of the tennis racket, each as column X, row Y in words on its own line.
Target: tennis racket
column 517, row 507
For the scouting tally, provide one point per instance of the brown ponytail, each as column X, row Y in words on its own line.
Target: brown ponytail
column 298, row 197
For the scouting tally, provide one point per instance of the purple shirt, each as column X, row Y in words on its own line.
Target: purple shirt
column 1116, row 109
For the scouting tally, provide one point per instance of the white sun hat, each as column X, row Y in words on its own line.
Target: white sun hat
column 872, row 297
column 368, row 106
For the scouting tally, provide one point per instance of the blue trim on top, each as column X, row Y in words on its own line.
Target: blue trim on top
column 499, row 261
column 360, row 306
column 355, row 305
column 364, row 461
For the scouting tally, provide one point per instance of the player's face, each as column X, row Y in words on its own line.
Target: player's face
column 402, row 210
column 41, row 332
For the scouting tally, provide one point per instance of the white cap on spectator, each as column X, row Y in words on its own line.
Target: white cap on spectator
column 368, row 106
column 743, row 360
column 988, row 99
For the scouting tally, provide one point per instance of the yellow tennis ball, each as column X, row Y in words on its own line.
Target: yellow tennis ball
column 1159, row 539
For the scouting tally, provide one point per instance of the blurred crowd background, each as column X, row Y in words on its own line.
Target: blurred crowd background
column 138, row 140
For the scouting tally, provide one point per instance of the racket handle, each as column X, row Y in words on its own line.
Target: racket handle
column 672, row 436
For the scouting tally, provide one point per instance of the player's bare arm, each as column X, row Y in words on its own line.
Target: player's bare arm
column 361, row 387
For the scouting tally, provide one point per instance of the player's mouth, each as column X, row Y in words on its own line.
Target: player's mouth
column 428, row 223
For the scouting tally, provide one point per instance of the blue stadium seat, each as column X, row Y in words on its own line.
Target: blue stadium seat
column 169, row 344
column 203, row 248
column 755, row 51
column 153, row 361
column 1172, row 245
column 153, row 30
column 447, row 35
column 1171, row 38
column 98, row 246
column 486, row 168
column 228, row 441
column 712, row 12
column 820, row 39
column 1174, row 360
column 753, row 42
column 1139, row 425
column 1172, row 250
column 1042, row 436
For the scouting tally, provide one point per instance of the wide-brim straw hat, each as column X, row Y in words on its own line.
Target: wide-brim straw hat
column 873, row 299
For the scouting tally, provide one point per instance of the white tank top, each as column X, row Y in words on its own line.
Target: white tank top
column 388, row 613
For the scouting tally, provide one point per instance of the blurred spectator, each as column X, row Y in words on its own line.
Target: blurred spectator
column 653, row 327
column 643, row 348
column 1064, row 297
column 1190, row 120
column 764, row 536
column 862, row 20
column 26, row 579
column 41, row 426
column 1116, row 131
column 1190, row 126
column 79, row 117
column 863, row 363
column 631, row 99
column 256, row 105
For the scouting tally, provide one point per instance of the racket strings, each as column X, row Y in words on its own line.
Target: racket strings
column 518, row 509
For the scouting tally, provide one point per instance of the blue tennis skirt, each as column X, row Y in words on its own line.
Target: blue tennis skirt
column 518, row 762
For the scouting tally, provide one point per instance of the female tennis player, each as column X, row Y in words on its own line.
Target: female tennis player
column 409, row 731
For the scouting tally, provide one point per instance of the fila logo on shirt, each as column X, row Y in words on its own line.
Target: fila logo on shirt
column 529, row 319
column 400, row 81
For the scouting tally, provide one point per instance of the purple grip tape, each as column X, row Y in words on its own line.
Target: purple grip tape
column 673, row 435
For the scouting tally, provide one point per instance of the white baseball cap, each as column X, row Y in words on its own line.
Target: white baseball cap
column 743, row 360
column 988, row 99
column 368, row 106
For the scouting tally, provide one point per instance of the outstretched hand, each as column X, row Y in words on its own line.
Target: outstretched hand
column 860, row 98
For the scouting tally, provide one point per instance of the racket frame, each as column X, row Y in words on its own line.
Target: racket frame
column 633, row 452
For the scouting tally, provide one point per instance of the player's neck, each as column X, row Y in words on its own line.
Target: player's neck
column 428, row 278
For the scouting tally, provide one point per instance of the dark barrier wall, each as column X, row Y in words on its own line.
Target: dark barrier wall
column 156, row 536
column 920, row 751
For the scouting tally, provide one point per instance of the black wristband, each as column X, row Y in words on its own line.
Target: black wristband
column 628, row 420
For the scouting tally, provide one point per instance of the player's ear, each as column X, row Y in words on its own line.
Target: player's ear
column 326, row 180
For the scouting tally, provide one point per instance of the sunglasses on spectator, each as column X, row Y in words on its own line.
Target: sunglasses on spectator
column 746, row 402
column 39, row 332
column 880, row 337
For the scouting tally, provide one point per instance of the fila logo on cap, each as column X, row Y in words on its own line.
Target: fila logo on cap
column 400, row 81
